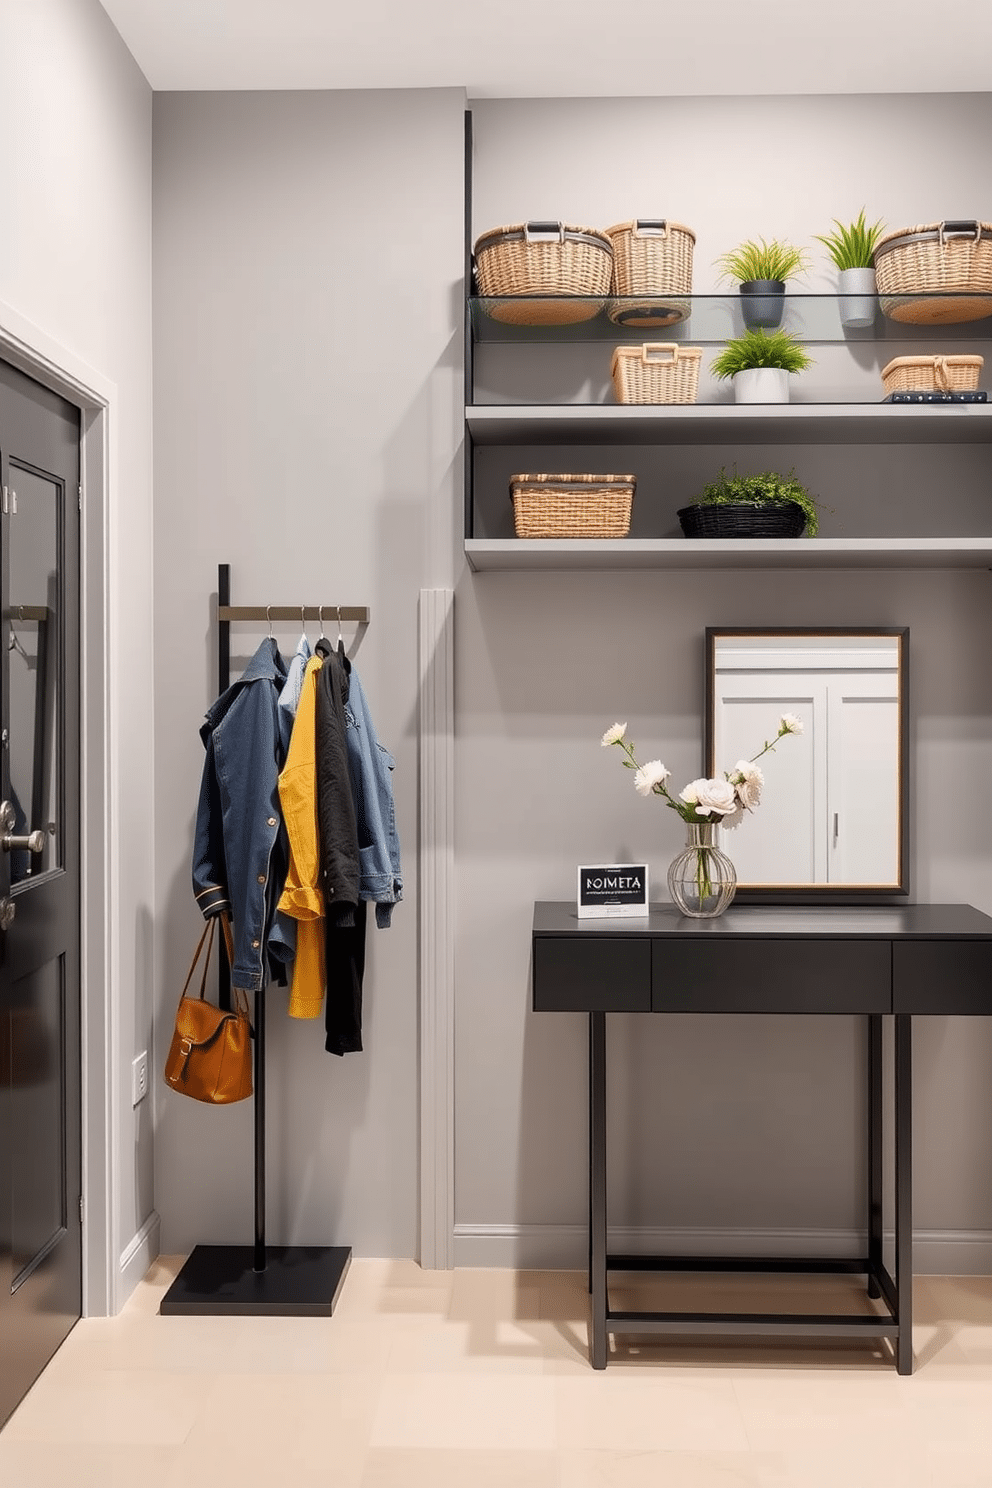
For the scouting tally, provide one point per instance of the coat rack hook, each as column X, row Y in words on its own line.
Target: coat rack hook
column 340, row 636
column 268, row 616
column 320, row 617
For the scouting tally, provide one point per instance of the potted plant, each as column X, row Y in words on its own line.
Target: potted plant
column 768, row 504
column 852, row 248
column 761, row 269
column 759, row 362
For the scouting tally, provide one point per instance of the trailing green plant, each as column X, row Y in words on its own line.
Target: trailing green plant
column 852, row 246
column 758, row 348
column 768, row 485
column 756, row 259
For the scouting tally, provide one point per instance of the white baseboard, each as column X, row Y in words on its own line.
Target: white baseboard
column 565, row 1247
column 137, row 1256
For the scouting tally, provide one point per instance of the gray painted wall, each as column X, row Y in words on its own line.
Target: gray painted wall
column 725, row 1126
column 308, row 256
column 75, row 262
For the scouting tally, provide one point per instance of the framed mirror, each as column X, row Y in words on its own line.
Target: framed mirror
column 833, row 820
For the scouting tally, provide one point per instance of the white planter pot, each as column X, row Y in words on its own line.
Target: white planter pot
column 761, row 385
column 858, row 301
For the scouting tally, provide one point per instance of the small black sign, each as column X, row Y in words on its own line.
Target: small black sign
column 611, row 889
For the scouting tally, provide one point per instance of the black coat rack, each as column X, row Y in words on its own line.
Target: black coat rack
column 260, row 1279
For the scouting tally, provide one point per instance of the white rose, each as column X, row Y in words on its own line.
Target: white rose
column 614, row 734
column 747, row 780
column 707, row 796
column 650, row 775
column 790, row 724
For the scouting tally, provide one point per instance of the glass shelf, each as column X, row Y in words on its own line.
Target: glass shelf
column 711, row 319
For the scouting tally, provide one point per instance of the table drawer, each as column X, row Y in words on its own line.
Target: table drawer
column 942, row 976
column 591, row 974
column 771, row 976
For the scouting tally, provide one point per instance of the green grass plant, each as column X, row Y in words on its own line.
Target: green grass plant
column 759, row 348
column 756, row 259
column 852, row 245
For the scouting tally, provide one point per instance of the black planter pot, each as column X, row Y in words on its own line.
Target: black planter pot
column 763, row 303
column 743, row 519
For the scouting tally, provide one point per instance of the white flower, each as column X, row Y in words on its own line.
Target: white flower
column 790, row 724
column 717, row 796
column 747, row 780
column 615, row 734
column 650, row 775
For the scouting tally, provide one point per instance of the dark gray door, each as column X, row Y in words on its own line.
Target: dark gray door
column 40, row 1223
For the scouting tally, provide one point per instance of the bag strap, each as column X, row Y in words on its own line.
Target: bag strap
column 207, row 938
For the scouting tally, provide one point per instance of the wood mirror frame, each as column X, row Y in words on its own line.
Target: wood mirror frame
column 817, row 797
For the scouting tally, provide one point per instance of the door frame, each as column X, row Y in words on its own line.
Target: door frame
column 26, row 347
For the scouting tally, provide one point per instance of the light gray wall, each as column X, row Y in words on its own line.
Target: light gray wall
column 75, row 268
column 308, row 258
column 728, row 1126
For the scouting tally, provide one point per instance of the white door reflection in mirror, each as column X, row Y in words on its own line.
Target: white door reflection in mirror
column 832, row 814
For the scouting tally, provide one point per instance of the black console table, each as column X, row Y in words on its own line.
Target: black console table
column 874, row 962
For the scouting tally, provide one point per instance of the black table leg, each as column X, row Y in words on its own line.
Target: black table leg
column 597, row 1187
column 874, row 1152
column 904, row 1189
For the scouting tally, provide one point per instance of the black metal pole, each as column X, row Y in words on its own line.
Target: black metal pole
column 259, row 1261
column 223, row 683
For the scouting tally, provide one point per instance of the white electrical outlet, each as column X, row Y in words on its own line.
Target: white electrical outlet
column 139, row 1077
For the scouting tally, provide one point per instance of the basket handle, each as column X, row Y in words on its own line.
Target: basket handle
column 659, row 351
column 967, row 226
column 651, row 227
column 940, row 376
column 544, row 232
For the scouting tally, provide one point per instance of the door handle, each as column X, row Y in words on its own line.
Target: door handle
column 33, row 842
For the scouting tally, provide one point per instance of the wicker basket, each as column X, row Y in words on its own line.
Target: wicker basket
column 545, row 259
column 932, row 262
column 652, row 271
column 572, row 505
column 932, row 374
column 658, row 372
column 744, row 519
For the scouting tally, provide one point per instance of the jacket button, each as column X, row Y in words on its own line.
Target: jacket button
column 255, row 944
column 272, row 821
column 261, row 878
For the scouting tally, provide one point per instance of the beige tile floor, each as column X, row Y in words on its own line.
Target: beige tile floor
column 480, row 1379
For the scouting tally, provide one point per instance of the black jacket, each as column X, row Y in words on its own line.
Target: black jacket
column 340, row 863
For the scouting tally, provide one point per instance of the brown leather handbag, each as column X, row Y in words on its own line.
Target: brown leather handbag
column 210, row 1055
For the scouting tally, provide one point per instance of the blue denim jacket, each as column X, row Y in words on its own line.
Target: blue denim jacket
column 240, row 850
column 371, row 768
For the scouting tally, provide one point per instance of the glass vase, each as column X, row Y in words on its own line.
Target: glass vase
column 702, row 880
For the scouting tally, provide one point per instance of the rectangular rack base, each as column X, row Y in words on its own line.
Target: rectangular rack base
column 298, row 1281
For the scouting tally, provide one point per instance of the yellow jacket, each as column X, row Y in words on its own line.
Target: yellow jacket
column 302, row 898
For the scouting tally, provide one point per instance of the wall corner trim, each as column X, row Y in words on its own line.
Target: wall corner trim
column 436, row 957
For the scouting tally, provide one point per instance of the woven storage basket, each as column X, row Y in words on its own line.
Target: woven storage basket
column 931, row 262
column 552, row 260
column 932, row 374
column 744, row 519
column 658, row 372
column 651, row 257
column 572, row 505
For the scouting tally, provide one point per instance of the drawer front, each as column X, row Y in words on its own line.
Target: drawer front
column 771, row 976
column 942, row 976
column 591, row 974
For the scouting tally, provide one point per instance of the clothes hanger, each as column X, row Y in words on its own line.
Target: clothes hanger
column 340, row 636
column 14, row 643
